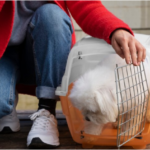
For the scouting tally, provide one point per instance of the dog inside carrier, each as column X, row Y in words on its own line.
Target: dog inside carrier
column 106, row 101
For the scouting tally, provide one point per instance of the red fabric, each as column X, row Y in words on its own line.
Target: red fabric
column 1, row 4
column 7, row 10
column 95, row 19
column 91, row 16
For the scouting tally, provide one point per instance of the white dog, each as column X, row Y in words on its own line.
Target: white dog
column 94, row 94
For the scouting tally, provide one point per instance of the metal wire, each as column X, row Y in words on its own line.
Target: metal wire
column 132, row 98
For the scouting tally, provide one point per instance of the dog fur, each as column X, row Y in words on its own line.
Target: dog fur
column 94, row 94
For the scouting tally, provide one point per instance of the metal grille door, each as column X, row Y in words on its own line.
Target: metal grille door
column 132, row 98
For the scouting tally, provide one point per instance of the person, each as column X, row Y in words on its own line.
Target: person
column 35, row 40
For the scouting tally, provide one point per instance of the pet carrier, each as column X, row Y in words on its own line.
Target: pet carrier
column 87, row 53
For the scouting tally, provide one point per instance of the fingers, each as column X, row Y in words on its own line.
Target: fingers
column 141, row 52
column 133, row 53
column 139, row 57
column 144, row 55
column 126, row 46
column 126, row 51
column 136, row 51
column 131, row 50
column 117, row 49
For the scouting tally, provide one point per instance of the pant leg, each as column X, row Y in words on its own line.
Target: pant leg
column 9, row 75
column 50, row 32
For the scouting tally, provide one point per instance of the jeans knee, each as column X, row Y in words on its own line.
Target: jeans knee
column 51, row 18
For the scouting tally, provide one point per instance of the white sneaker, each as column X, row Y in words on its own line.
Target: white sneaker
column 44, row 132
column 10, row 123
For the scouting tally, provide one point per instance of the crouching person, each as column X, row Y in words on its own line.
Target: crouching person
column 35, row 40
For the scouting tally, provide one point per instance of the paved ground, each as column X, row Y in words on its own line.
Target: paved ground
column 18, row 140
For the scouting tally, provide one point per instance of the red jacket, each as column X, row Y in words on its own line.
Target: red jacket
column 91, row 16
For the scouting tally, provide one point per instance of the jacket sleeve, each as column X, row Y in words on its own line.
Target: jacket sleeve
column 6, row 24
column 95, row 19
column 1, row 5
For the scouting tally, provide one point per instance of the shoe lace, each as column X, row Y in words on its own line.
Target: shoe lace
column 42, row 120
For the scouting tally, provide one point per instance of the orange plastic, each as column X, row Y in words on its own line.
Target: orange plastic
column 108, row 136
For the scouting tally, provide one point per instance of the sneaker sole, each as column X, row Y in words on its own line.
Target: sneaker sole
column 8, row 130
column 38, row 144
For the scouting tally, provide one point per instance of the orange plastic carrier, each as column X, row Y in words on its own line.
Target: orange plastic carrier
column 83, row 56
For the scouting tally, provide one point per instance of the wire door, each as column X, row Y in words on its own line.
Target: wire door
column 132, row 97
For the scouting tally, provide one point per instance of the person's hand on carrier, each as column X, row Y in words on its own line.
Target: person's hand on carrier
column 126, row 46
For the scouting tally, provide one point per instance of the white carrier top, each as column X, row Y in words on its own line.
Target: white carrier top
column 87, row 53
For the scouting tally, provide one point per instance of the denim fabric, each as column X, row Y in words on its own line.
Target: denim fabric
column 40, row 60
column 9, row 75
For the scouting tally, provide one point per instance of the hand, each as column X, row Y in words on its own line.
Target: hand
column 126, row 46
